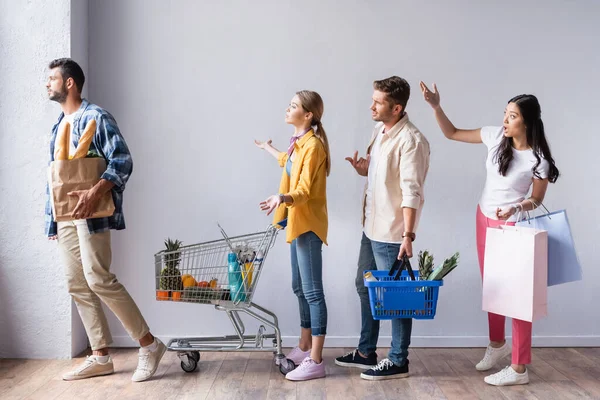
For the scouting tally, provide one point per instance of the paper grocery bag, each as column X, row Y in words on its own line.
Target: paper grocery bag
column 515, row 272
column 65, row 176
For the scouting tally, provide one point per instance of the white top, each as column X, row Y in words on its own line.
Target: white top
column 375, row 150
column 69, row 119
column 502, row 191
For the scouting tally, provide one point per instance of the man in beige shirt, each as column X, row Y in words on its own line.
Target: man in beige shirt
column 396, row 165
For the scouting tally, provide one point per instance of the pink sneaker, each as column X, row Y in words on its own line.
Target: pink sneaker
column 309, row 369
column 297, row 355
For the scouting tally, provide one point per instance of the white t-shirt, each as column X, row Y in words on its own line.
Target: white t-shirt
column 69, row 119
column 502, row 191
column 371, row 177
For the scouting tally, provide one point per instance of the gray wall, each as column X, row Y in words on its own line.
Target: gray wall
column 193, row 83
column 36, row 316
column 79, row 52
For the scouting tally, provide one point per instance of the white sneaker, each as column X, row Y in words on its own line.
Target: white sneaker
column 297, row 355
column 507, row 377
column 148, row 361
column 492, row 356
column 90, row 368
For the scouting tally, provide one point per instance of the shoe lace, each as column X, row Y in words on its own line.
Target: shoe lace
column 306, row 363
column 505, row 372
column 143, row 361
column 383, row 365
column 488, row 354
column 351, row 353
column 86, row 364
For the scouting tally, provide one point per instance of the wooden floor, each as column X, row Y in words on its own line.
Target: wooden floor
column 572, row 373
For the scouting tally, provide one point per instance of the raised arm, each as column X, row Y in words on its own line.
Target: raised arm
column 269, row 148
column 447, row 127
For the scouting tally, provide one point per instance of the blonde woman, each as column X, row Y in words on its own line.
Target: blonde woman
column 302, row 200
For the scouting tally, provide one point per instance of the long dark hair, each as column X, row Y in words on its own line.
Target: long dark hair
column 536, row 138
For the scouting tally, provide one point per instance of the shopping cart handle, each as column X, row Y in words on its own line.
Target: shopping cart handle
column 282, row 223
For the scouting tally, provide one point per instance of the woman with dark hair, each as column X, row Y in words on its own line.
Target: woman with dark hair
column 518, row 160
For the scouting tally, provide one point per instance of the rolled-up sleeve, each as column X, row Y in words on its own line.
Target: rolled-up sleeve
column 414, row 163
column 113, row 146
column 282, row 158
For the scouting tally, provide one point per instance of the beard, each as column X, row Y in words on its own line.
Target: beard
column 59, row 96
column 382, row 117
column 385, row 115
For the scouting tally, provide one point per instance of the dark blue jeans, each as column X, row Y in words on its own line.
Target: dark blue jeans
column 377, row 255
column 307, row 282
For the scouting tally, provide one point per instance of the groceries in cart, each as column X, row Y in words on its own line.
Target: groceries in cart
column 247, row 258
column 236, row 281
column 211, row 272
column 223, row 273
column 170, row 276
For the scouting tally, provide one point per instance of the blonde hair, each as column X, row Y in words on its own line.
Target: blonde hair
column 313, row 103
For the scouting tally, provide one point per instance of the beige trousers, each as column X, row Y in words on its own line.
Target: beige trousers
column 86, row 258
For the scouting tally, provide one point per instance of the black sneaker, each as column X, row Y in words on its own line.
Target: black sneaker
column 386, row 370
column 355, row 360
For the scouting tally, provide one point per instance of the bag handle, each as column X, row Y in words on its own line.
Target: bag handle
column 521, row 212
column 536, row 205
column 400, row 265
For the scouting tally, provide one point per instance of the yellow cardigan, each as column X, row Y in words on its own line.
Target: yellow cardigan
column 307, row 186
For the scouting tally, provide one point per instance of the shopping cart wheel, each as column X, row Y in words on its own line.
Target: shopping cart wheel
column 195, row 355
column 286, row 365
column 190, row 366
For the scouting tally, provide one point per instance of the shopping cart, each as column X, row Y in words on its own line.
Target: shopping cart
column 223, row 273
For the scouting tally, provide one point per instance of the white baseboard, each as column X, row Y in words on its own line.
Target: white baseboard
column 418, row 341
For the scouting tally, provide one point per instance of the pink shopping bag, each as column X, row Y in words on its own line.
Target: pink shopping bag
column 516, row 272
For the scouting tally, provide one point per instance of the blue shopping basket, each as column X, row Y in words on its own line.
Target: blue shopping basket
column 398, row 294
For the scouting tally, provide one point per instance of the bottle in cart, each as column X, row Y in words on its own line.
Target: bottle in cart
column 236, row 283
column 252, row 265
column 247, row 274
column 258, row 259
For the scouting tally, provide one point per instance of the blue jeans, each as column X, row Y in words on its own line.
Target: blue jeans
column 307, row 282
column 377, row 255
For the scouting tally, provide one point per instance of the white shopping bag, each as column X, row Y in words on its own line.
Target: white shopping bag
column 515, row 272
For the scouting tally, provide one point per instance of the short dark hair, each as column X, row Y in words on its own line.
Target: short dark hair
column 69, row 69
column 396, row 88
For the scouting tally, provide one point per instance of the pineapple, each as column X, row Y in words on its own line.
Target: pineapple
column 170, row 276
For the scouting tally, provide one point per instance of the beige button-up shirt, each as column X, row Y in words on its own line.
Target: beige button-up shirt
column 400, row 171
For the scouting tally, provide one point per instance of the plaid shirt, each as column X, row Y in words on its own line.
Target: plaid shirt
column 108, row 143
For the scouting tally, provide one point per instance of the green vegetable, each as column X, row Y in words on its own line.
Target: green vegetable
column 440, row 272
column 425, row 264
column 92, row 154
